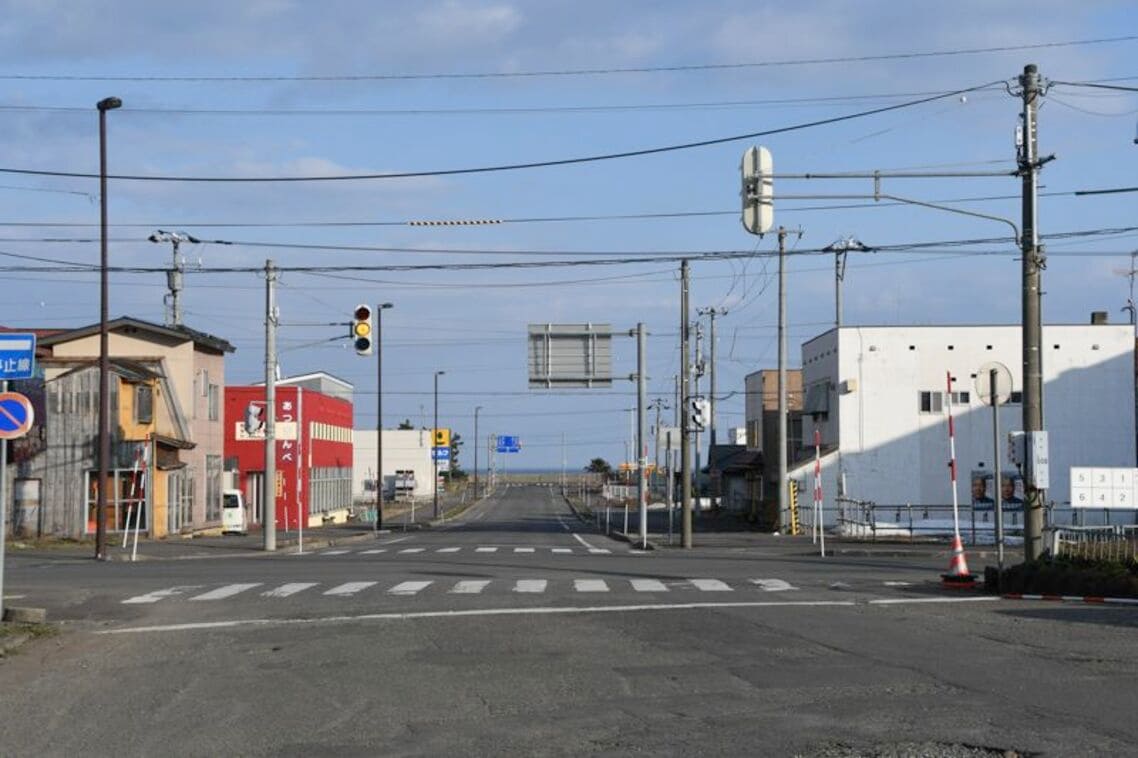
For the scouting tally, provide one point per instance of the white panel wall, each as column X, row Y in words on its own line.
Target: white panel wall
column 408, row 449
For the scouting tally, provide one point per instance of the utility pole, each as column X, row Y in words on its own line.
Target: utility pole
column 783, row 484
column 840, row 249
column 641, row 431
column 476, row 409
column 685, row 433
column 711, row 313
column 1033, row 262
column 700, row 369
column 175, row 274
column 269, row 490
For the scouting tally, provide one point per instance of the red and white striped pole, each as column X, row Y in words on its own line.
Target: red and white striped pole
column 819, row 523
column 952, row 457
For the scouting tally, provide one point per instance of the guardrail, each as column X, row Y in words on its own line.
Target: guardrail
column 1112, row 543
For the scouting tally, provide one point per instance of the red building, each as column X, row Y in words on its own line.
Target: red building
column 314, row 448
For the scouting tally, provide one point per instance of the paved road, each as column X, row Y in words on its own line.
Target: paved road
column 515, row 629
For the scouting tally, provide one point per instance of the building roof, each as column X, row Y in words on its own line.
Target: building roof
column 128, row 323
column 322, row 376
column 731, row 458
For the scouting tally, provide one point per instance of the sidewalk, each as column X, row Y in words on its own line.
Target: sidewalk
column 397, row 518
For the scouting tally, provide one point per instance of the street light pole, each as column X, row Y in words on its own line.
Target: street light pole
column 476, row 409
column 434, row 458
column 104, row 105
column 379, row 414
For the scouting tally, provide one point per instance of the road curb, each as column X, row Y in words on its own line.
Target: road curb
column 1090, row 599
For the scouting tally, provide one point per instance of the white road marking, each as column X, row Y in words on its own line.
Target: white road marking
column 649, row 585
column 448, row 550
column 377, row 551
column 898, row 584
column 903, row 600
column 483, row 612
column 14, row 597
column 336, row 552
column 710, row 585
column 408, row 588
column 581, row 539
column 398, row 539
column 469, row 586
column 523, row 549
column 411, row 550
column 590, row 585
column 485, row 549
column 599, row 551
column 563, row 550
column 530, row 585
column 288, row 589
column 154, row 597
column 348, row 588
column 773, row 585
column 228, row 590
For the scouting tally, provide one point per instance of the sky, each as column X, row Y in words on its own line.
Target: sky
column 272, row 89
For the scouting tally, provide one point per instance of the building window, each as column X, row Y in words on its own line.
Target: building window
column 143, row 404
column 213, row 488
column 214, row 402
column 932, row 402
column 126, row 501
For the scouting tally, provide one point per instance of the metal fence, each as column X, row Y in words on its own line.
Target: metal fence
column 1111, row 543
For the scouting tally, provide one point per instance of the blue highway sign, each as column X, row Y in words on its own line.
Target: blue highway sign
column 16, row 415
column 17, row 355
column 508, row 444
column 440, row 453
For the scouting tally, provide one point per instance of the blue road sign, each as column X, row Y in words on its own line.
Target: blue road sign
column 508, row 444
column 17, row 355
column 440, row 453
column 16, row 415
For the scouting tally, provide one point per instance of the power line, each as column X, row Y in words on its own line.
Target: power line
column 510, row 166
column 565, row 72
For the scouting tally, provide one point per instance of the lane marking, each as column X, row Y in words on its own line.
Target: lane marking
column 411, row 550
column 288, row 589
column 773, row 585
column 590, row 585
column 397, row 539
column 543, row 611
column 408, row 588
column 485, row 549
column 530, row 585
column 908, row 600
column 469, row 586
column 581, row 539
column 523, row 549
column 599, row 551
column 448, row 550
column 898, row 584
column 649, row 585
column 228, row 590
column 336, row 552
column 14, row 597
column 710, row 585
column 563, row 550
column 348, row 588
column 377, row 551
column 154, row 597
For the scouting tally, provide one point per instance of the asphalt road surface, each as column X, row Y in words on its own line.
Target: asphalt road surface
column 518, row 630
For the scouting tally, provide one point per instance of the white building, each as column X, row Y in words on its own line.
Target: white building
column 878, row 396
column 404, row 450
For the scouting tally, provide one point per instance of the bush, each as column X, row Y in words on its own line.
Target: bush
column 1069, row 576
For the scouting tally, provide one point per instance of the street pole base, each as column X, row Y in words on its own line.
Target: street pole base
column 958, row 581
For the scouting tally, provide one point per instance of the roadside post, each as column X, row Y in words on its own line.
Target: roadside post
column 994, row 386
column 17, row 361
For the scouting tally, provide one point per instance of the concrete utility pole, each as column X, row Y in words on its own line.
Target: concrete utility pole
column 641, row 430
column 476, row 409
column 840, row 249
column 269, row 490
column 700, row 369
column 783, row 484
column 1033, row 262
column 685, row 443
column 379, row 309
column 711, row 313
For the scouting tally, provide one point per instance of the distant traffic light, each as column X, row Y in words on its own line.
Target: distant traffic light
column 362, row 330
column 758, row 190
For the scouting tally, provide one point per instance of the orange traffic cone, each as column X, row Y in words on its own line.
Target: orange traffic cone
column 958, row 576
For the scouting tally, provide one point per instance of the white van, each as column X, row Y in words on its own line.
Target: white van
column 233, row 513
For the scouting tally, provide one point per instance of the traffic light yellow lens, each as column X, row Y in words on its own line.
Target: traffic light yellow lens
column 363, row 330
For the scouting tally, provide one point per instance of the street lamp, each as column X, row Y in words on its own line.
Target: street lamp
column 104, row 105
column 379, row 414
column 476, row 409
column 434, row 455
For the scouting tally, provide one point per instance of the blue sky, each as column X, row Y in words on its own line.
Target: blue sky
column 314, row 92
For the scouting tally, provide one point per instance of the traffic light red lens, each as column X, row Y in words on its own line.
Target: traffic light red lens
column 363, row 313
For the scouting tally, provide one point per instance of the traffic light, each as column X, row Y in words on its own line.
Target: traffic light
column 254, row 419
column 362, row 329
column 698, row 413
column 758, row 190
column 442, row 438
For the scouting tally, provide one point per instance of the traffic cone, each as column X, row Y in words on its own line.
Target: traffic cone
column 958, row 576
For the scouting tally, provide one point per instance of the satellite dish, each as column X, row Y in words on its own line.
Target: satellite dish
column 1003, row 383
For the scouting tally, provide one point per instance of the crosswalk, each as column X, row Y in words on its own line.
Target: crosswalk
column 478, row 549
column 409, row 588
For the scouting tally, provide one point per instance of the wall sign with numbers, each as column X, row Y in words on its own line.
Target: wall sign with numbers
column 1104, row 487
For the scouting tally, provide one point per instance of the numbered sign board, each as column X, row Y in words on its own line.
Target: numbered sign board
column 1104, row 487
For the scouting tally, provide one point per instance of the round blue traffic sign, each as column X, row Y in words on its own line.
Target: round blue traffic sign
column 16, row 415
